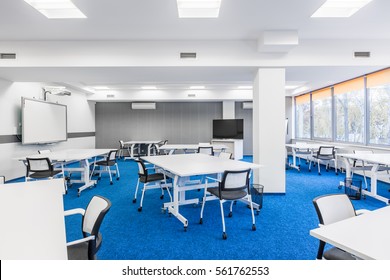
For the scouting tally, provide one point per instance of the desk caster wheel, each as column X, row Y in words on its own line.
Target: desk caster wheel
column 139, row 209
column 230, row 214
column 253, row 227
column 162, row 196
column 201, row 221
column 224, row 236
column 185, row 229
column 134, row 200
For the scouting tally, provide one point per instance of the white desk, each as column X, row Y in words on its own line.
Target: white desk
column 180, row 167
column 32, row 221
column 366, row 235
column 310, row 147
column 189, row 147
column 376, row 160
column 134, row 143
column 72, row 155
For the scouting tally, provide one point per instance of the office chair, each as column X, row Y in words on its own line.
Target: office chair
column 122, row 148
column 332, row 208
column 206, row 150
column 233, row 186
column 87, row 247
column 106, row 164
column 325, row 154
column 40, row 168
column 156, row 150
column 150, row 181
column 2, row 180
column 225, row 155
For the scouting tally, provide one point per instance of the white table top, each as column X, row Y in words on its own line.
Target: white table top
column 308, row 146
column 32, row 221
column 374, row 158
column 71, row 154
column 366, row 235
column 197, row 164
column 141, row 142
column 190, row 146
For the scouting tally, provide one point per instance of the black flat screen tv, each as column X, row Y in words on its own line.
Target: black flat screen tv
column 228, row 129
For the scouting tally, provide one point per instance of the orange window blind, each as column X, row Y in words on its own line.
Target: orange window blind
column 352, row 85
column 321, row 94
column 305, row 98
column 379, row 78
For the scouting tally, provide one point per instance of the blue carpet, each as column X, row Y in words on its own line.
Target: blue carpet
column 282, row 233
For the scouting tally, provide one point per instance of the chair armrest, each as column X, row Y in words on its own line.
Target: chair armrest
column 362, row 211
column 78, row 241
column 74, row 211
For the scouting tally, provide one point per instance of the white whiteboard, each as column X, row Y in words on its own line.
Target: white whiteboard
column 43, row 122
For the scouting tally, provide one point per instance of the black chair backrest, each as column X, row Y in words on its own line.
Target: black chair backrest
column 39, row 164
column 235, row 180
column 206, row 150
column 112, row 155
column 92, row 220
column 326, row 151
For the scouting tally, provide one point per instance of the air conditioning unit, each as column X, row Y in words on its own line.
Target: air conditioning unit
column 143, row 106
column 247, row 105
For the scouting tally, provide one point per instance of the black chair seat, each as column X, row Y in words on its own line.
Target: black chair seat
column 337, row 254
column 44, row 174
column 324, row 157
column 152, row 177
column 228, row 195
column 105, row 163
column 78, row 251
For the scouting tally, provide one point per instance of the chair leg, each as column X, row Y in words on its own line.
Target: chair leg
column 253, row 215
column 136, row 191
column 231, row 209
column 118, row 175
column 203, row 204
column 224, row 235
column 142, row 198
column 319, row 168
column 310, row 165
column 109, row 173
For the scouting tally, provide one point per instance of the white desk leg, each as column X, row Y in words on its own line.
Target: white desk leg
column 294, row 157
column 85, row 176
column 174, row 209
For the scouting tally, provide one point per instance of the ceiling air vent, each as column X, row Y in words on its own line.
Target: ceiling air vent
column 185, row 55
column 7, row 55
column 361, row 54
column 110, row 95
column 191, row 95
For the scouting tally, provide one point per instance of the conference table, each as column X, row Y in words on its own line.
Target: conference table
column 365, row 236
column 82, row 156
column 132, row 145
column 32, row 221
column 181, row 167
column 189, row 148
column 375, row 160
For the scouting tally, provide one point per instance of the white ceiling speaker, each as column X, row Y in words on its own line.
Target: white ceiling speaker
column 143, row 106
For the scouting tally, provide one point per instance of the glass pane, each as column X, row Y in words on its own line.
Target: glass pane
column 379, row 102
column 350, row 116
column 322, row 115
column 302, row 119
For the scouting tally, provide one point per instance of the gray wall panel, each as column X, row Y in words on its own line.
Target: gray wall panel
column 246, row 114
column 179, row 122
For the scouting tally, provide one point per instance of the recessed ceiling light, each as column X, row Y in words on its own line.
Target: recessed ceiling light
column 197, row 87
column 149, row 87
column 198, row 8
column 101, row 88
column 245, row 87
column 55, row 9
column 340, row 8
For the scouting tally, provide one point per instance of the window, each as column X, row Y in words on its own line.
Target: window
column 302, row 116
column 378, row 87
column 322, row 113
column 349, row 109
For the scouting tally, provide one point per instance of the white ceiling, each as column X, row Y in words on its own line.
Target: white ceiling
column 154, row 20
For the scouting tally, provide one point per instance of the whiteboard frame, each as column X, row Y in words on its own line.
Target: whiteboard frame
column 46, row 102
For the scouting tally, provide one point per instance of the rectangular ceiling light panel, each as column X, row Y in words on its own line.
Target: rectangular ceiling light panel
column 55, row 9
column 340, row 8
column 198, row 8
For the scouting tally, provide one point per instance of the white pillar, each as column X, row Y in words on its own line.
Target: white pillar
column 269, row 129
column 228, row 109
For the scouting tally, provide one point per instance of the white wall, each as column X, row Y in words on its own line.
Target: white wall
column 81, row 118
